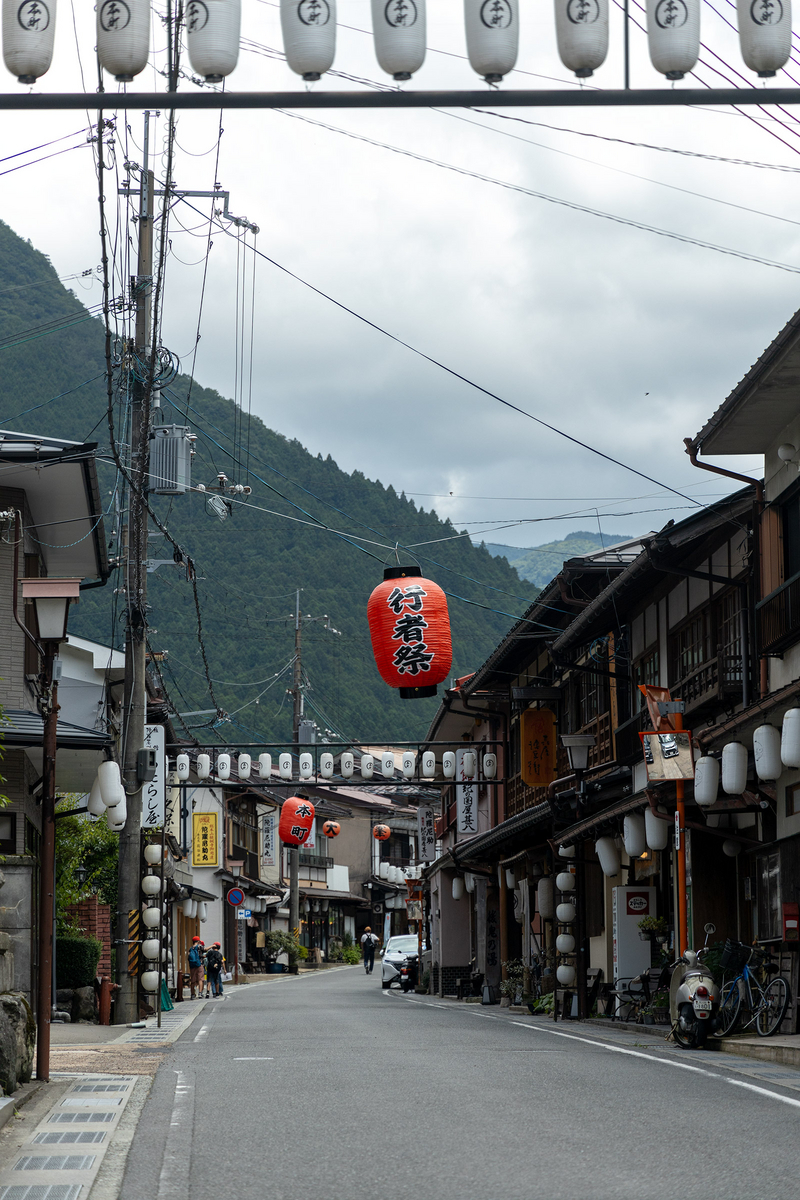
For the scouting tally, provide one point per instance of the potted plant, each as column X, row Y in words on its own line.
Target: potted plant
column 511, row 987
column 653, row 927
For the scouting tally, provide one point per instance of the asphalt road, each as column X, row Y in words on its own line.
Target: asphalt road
column 324, row 1087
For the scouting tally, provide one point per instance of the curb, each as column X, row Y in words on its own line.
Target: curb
column 786, row 1056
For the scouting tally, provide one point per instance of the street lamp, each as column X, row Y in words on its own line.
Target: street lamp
column 577, row 746
column 51, row 599
column 81, row 874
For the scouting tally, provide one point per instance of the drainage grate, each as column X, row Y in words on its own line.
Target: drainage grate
column 70, row 1135
column 82, row 1118
column 38, row 1191
column 89, row 1102
column 100, row 1087
column 55, row 1162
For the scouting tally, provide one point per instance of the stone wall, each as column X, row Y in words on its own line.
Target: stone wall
column 94, row 919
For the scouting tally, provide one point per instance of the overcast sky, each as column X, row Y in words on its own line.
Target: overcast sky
column 620, row 337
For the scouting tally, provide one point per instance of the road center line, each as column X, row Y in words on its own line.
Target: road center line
column 254, row 1059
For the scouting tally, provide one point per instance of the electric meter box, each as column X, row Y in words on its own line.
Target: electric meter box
column 170, row 460
column 791, row 921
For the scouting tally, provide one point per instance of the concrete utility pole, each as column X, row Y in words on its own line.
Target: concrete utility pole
column 297, row 693
column 135, row 700
column 47, row 861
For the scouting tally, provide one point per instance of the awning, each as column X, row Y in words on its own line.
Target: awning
column 26, row 729
column 480, row 846
column 197, row 893
column 722, row 732
column 330, row 894
column 581, row 828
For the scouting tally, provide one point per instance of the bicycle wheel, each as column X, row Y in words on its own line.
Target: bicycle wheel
column 729, row 1008
column 772, row 1009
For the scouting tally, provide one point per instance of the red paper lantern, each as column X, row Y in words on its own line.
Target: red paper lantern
column 381, row 833
column 331, row 829
column 410, row 629
column 297, row 817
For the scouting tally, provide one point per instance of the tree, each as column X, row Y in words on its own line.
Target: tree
column 83, row 842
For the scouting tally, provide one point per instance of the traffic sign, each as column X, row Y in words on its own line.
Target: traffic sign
column 235, row 897
column 243, row 914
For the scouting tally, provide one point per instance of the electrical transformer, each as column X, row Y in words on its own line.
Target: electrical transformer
column 170, row 460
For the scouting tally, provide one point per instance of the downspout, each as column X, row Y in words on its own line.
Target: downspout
column 691, row 450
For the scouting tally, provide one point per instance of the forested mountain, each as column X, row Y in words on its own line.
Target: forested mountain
column 539, row 564
column 51, row 382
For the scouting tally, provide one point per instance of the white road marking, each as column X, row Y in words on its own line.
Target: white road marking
column 172, row 1179
column 201, row 1033
column 255, row 1059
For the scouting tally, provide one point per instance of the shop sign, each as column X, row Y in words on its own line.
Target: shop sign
column 466, row 797
column 205, row 851
column 538, row 747
column 426, row 833
column 153, row 792
column 268, row 842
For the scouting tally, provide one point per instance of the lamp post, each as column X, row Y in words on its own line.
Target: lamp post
column 235, row 869
column 51, row 599
column 577, row 746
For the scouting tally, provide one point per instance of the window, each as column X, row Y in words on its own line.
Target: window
column 791, row 537
column 8, row 833
column 792, row 800
column 768, row 896
column 646, row 670
column 590, row 697
column 693, row 645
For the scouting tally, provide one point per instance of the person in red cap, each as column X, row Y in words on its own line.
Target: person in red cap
column 196, row 967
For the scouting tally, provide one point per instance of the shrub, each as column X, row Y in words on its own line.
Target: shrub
column 76, row 961
column 277, row 942
column 351, row 955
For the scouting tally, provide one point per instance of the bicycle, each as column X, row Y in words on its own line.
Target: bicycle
column 766, row 1002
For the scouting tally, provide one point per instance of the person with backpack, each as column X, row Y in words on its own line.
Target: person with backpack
column 214, row 965
column 196, row 968
column 368, row 943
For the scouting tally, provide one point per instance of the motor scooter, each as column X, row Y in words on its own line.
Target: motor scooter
column 409, row 972
column 693, row 998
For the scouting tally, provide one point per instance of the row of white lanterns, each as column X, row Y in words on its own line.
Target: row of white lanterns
column 245, row 766
column 154, row 920
column 773, row 750
column 107, row 796
column 399, row 32
column 390, row 873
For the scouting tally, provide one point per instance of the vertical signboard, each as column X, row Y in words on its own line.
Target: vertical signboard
column 538, row 747
column 466, row 796
column 311, row 841
column 426, row 834
column 205, row 851
column 268, row 844
column 153, row 792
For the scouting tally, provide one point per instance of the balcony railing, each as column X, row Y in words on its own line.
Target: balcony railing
column 779, row 617
column 718, row 679
column 315, row 860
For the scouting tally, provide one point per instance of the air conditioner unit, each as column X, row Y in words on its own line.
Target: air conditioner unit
column 170, row 460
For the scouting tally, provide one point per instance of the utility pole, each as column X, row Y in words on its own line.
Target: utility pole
column 297, row 692
column 135, row 698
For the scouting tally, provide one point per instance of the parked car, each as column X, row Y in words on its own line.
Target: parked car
column 397, row 949
column 648, row 751
column 669, row 747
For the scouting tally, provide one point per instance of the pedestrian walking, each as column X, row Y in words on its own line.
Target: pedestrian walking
column 368, row 943
column 196, row 968
column 214, row 965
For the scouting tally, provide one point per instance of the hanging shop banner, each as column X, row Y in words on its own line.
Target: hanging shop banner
column 269, row 845
column 205, row 851
column 538, row 746
column 426, row 833
column 311, row 841
column 153, row 792
column 466, row 796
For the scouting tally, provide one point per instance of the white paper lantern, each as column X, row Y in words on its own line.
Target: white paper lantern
column 187, row 907
column 110, row 784
column 264, row 766
column 566, row 913
column 565, row 881
column 634, row 835
column 326, row 765
column 489, row 766
column 566, row 851
column 387, row 765
column 469, row 764
column 731, row 848
column 458, row 887
column 656, row 830
column 383, row 870
column 151, row 917
column 765, row 34
column 347, row 765
column 152, row 853
column 565, row 943
column 398, row 27
column 565, row 974
column 790, row 738
column 408, row 764
column 449, row 764
column 544, row 897
column 492, row 28
column 606, row 850
column 117, row 817
column 469, row 881
column 203, row 766
column 151, row 885
column 212, row 37
column 182, row 766
column 306, row 766
column 582, row 34
column 734, row 768
column 244, row 766
column 673, row 36
column 151, row 981
column 28, row 32
column 367, row 766
column 428, row 764
column 767, row 752
column 397, row 875
column 706, row 780
column 285, row 766
column 309, row 35
column 224, row 766
column 151, row 948
column 510, row 880
column 123, row 37
column 202, row 910
column 95, row 801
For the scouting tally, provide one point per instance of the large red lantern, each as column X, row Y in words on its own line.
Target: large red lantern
column 331, row 829
column 410, row 629
column 381, row 833
column 297, row 817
